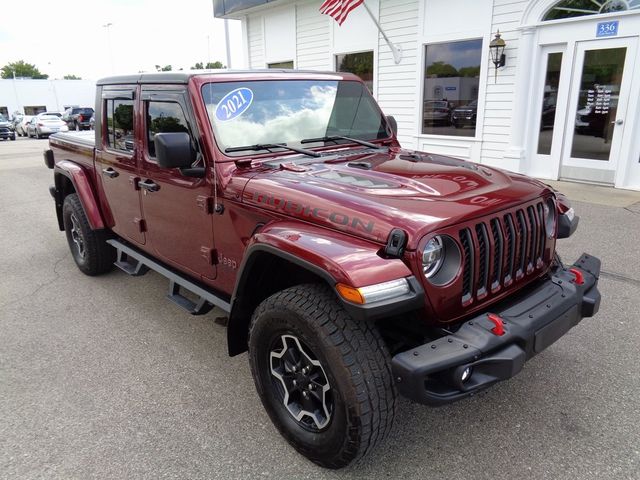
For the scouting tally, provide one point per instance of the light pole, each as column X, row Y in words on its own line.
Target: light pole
column 108, row 27
column 52, row 82
column 226, row 42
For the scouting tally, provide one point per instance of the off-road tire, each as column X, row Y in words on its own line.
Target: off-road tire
column 357, row 366
column 98, row 256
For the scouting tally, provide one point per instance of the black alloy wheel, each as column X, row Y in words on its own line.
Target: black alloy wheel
column 323, row 377
column 92, row 254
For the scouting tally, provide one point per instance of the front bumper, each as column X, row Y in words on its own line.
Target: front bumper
column 432, row 373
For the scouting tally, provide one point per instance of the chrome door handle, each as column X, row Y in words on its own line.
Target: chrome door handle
column 149, row 185
column 618, row 122
column 110, row 172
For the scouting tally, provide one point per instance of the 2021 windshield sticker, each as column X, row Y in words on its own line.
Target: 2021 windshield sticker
column 234, row 104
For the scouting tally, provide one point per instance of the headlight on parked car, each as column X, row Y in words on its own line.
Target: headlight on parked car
column 549, row 208
column 440, row 260
column 432, row 257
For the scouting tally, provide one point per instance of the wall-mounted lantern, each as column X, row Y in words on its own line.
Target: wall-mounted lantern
column 496, row 49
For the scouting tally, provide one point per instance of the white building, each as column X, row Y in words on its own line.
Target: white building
column 31, row 97
column 565, row 105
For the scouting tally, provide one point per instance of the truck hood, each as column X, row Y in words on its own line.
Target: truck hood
column 368, row 192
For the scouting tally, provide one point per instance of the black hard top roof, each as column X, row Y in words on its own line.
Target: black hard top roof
column 183, row 77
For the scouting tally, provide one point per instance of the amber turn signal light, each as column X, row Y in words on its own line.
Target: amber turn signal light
column 350, row 294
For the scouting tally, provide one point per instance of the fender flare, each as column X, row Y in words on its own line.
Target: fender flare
column 81, row 181
column 331, row 256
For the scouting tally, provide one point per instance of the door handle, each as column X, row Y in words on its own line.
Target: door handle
column 149, row 185
column 618, row 122
column 110, row 172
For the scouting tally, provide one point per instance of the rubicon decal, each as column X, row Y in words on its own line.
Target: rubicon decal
column 308, row 211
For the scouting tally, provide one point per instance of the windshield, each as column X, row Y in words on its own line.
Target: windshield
column 289, row 111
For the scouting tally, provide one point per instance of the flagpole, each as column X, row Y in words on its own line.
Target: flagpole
column 396, row 50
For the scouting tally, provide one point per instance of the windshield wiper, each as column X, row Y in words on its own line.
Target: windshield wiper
column 269, row 146
column 334, row 138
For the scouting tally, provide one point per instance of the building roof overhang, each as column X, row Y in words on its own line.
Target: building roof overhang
column 235, row 9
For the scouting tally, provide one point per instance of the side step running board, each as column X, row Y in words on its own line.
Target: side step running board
column 136, row 263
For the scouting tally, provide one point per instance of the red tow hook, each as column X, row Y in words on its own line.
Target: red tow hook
column 578, row 274
column 499, row 325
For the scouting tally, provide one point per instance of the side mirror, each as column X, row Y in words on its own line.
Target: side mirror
column 173, row 150
column 393, row 124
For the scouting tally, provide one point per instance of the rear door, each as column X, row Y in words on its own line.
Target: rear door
column 177, row 208
column 117, row 162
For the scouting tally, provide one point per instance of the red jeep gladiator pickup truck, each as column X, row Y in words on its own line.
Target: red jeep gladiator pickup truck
column 352, row 270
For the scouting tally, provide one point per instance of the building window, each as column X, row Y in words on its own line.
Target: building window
column 580, row 8
column 549, row 100
column 451, row 83
column 164, row 117
column 120, row 124
column 31, row 110
column 287, row 64
column 360, row 64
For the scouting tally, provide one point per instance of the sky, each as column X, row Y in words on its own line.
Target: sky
column 63, row 37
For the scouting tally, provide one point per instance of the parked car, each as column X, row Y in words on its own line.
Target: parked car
column 352, row 270
column 6, row 129
column 437, row 112
column 465, row 115
column 44, row 125
column 77, row 118
column 21, row 126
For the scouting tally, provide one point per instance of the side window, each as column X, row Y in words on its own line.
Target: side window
column 119, row 120
column 163, row 117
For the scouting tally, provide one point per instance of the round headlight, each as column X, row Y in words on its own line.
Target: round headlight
column 432, row 257
column 549, row 208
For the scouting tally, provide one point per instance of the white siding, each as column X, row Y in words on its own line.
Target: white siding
column 313, row 37
column 397, row 83
column 256, row 41
column 280, row 35
column 500, row 92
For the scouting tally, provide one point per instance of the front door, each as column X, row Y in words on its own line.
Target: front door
column 178, row 209
column 598, row 98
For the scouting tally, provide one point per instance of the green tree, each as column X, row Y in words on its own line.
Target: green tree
column 167, row 124
column 72, row 77
column 441, row 69
column 357, row 63
column 208, row 66
column 21, row 69
column 166, row 68
column 123, row 117
column 472, row 72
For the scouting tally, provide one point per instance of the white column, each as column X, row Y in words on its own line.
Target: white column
column 516, row 155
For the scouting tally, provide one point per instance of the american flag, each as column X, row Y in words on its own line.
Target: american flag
column 339, row 9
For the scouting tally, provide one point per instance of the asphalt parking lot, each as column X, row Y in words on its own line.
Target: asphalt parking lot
column 104, row 378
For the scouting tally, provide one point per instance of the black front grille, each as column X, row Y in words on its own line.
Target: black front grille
column 501, row 249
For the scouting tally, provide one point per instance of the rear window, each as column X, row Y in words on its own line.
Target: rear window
column 49, row 117
column 87, row 111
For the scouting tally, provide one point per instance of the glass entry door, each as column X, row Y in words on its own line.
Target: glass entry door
column 598, row 99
